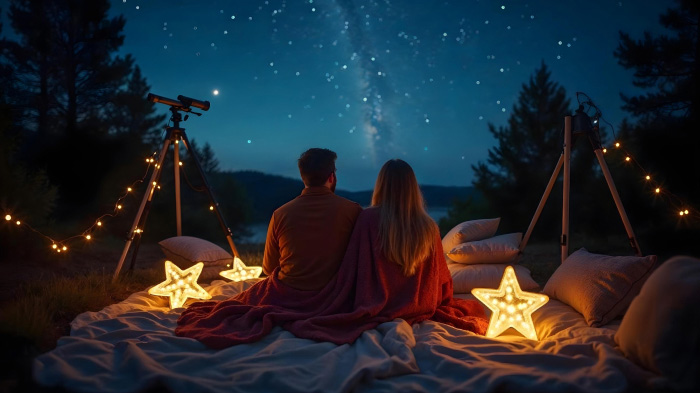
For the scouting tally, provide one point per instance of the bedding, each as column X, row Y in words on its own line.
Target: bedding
column 131, row 347
column 496, row 249
column 600, row 287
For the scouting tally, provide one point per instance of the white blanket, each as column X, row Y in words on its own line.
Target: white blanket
column 130, row 347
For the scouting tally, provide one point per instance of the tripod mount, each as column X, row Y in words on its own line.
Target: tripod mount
column 581, row 125
column 174, row 135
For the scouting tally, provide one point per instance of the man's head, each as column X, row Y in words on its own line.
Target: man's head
column 317, row 167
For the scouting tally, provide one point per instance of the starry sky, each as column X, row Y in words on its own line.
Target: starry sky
column 374, row 79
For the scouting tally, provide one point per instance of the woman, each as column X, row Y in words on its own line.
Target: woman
column 394, row 267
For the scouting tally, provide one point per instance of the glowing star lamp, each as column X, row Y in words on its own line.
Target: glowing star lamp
column 241, row 272
column 180, row 285
column 510, row 306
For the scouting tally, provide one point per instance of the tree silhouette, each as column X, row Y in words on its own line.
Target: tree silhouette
column 525, row 150
column 665, row 136
column 80, row 109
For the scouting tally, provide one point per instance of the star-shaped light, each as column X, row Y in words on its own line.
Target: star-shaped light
column 180, row 285
column 510, row 306
column 240, row 271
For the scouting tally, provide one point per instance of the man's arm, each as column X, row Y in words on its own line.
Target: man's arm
column 271, row 258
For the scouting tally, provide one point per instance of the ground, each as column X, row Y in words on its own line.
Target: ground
column 99, row 257
column 541, row 259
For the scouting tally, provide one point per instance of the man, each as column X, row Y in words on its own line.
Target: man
column 308, row 235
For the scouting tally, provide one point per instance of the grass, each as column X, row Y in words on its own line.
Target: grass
column 41, row 310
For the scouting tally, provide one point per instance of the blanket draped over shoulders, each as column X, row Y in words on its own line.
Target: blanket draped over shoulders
column 367, row 290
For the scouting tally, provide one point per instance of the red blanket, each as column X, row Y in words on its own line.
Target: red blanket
column 367, row 291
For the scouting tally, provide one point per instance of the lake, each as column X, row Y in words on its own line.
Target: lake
column 259, row 229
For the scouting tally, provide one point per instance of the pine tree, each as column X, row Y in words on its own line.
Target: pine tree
column 517, row 170
column 129, row 112
column 665, row 138
column 76, row 95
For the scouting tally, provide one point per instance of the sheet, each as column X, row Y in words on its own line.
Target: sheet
column 130, row 347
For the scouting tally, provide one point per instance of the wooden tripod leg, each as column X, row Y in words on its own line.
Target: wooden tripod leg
column 214, row 204
column 566, row 188
column 618, row 202
column 545, row 196
column 146, row 197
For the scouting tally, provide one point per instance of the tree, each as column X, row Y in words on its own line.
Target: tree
column 65, row 58
column 130, row 113
column 665, row 137
column 666, row 65
column 83, row 108
column 527, row 149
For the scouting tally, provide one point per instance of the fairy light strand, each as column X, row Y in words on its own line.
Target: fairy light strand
column 679, row 208
column 87, row 234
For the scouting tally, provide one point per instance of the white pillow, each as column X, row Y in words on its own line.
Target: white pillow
column 661, row 329
column 469, row 231
column 467, row 277
column 600, row 287
column 186, row 251
column 497, row 249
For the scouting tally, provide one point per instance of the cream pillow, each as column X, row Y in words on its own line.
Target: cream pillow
column 661, row 329
column 600, row 287
column 469, row 231
column 497, row 249
column 467, row 277
column 185, row 251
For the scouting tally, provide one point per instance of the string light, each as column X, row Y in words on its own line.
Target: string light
column 61, row 245
column 677, row 204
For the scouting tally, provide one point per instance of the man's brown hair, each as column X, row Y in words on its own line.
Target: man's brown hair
column 315, row 165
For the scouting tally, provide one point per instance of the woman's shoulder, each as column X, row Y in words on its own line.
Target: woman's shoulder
column 369, row 214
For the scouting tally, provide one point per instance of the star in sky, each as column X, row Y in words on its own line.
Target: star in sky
column 510, row 306
column 373, row 80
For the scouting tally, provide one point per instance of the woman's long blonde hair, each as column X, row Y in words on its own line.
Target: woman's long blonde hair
column 405, row 229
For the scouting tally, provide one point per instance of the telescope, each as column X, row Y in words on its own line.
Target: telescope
column 182, row 102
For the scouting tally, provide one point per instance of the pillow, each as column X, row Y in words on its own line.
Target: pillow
column 600, row 287
column 469, row 231
column 497, row 249
column 185, row 251
column 467, row 277
column 661, row 329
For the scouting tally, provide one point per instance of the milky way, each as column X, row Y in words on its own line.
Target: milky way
column 372, row 80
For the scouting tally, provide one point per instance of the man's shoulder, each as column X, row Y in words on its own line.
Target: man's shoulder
column 286, row 206
column 345, row 201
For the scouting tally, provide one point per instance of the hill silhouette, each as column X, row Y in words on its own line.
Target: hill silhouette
column 267, row 192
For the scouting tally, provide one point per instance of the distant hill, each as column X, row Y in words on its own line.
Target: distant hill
column 268, row 192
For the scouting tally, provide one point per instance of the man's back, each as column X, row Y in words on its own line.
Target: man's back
column 307, row 237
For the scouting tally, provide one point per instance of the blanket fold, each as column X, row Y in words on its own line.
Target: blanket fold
column 367, row 290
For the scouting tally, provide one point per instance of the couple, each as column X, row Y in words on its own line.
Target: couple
column 336, row 270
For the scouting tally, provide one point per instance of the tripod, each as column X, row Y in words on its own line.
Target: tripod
column 174, row 135
column 582, row 125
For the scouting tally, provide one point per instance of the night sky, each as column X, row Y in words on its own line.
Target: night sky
column 373, row 80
